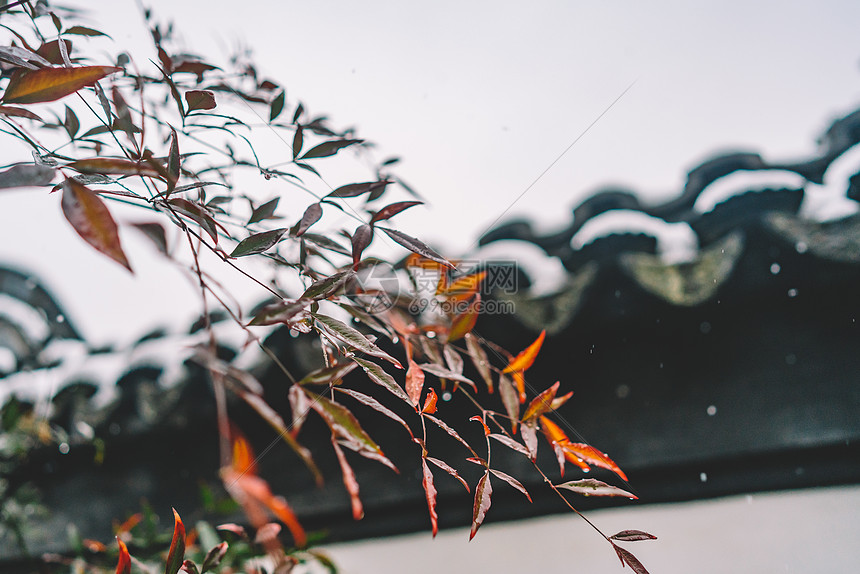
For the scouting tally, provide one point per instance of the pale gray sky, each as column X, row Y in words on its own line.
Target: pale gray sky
column 479, row 99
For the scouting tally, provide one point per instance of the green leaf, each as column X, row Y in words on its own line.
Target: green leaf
column 84, row 31
column 280, row 312
column 378, row 375
column 214, row 556
column 327, row 287
column 353, row 338
column 197, row 213
column 24, row 175
column 346, row 427
column 71, row 123
column 258, row 242
column 173, row 159
column 298, row 141
column 416, row 246
column 374, row 404
column 264, row 211
column 277, row 105
column 325, row 243
column 328, row 375
column 329, row 148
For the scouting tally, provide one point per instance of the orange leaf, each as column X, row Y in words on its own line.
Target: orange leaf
column 430, row 403
column 465, row 322
column 123, row 565
column 480, row 420
column 591, row 455
column 542, row 403
column 556, row 436
column 176, row 555
column 90, row 217
column 520, row 380
column 244, row 460
column 132, row 521
column 525, row 359
column 430, row 492
column 464, row 288
column 253, row 493
column 49, row 84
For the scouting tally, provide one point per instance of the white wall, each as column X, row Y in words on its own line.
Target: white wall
column 803, row 532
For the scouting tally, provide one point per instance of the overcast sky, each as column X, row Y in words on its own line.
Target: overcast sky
column 479, row 99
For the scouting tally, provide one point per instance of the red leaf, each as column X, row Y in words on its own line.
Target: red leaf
column 510, row 443
column 483, row 424
column 375, row 405
column 49, row 84
column 349, row 481
column 450, row 470
column 176, row 555
column 525, row 359
column 483, row 492
column 529, row 433
column 480, row 360
column 414, row 382
column 200, row 100
column 632, row 536
column 90, row 217
column 510, row 400
column 197, row 213
column 19, row 112
column 628, row 558
column 449, row 430
column 123, row 565
column 113, row 166
column 512, row 481
column 360, row 240
column 444, row 373
column 430, row 492
column 312, row 214
column 594, row 487
column 356, row 189
column 390, row 211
